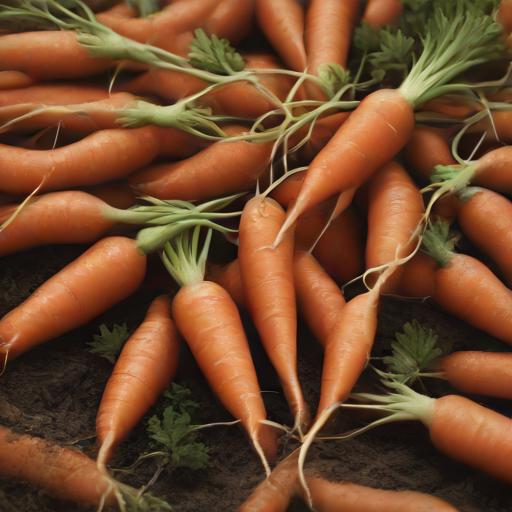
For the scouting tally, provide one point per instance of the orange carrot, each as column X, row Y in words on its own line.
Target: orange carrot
column 229, row 278
column 328, row 33
column 145, row 368
column 222, row 168
column 104, row 275
column 282, row 22
column 28, row 52
column 394, row 214
column 379, row 13
column 63, row 472
column 14, row 80
column 116, row 194
column 276, row 491
column 102, row 156
column 267, row 278
column 505, row 15
column 320, row 300
column 221, row 21
column 355, row 151
column 481, row 373
column 336, row 496
column 417, row 277
column 485, row 217
column 427, row 148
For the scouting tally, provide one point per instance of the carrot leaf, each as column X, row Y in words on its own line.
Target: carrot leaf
column 333, row 78
column 438, row 242
column 413, row 351
column 133, row 501
column 366, row 38
column 395, row 51
column 144, row 7
column 109, row 342
column 214, row 54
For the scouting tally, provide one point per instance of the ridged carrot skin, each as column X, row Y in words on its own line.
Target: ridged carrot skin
column 71, row 217
column 102, row 276
column 221, row 169
column 480, row 373
column 62, row 472
column 282, row 22
column 320, row 300
column 267, row 279
column 28, row 52
column 355, row 151
column 379, row 13
column 143, row 371
column 337, row 496
column 209, row 321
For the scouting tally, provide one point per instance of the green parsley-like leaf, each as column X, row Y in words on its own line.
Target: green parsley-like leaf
column 333, row 77
column 214, row 54
column 108, row 343
column 366, row 38
column 179, row 398
column 144, row 7
column 395, row 51
column 413, row 351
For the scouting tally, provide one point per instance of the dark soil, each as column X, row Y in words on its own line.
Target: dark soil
column 54, row 392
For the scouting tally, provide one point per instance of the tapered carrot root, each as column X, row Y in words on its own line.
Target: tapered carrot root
column 208, row 319
column 104, row 275
column 493, row 170
column 145, row 367
column 320, row 300
column 481, row 373
column 103, row 156
column 62, row 472
column 221, row 169
column 379, row 13
column 28, row 52
column 220, row 21
column 14, row 80
column 395, row 210
column 336, row 496
column 276, row 491
column 267, row 278
column 282, row 22
column 417, row 279
column 56, row 218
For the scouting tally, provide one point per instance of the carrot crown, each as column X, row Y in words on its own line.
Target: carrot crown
column 460, row 35
column 438, row 242
column 183, row 259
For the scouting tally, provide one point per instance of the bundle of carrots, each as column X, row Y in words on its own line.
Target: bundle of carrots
column 147, row 131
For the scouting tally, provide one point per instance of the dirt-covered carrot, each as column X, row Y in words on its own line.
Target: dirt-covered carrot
column 48, row 55
column 328, row 33
column 104, row 275
column 460, row 283
column 65, row 473
column 144, row 369
column 320, row 300
column 382, row 123
column 276, row 491
column 220, row 169
column 379, row 13
column 336, row 496
column 395, row 211
column 283, row 24
column 267, row 278
column 209, row 321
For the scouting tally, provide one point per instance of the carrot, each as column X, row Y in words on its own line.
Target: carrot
column 485, row 218
column 221, row 21
column 117, row 194
column 48, row 55
column 320, row 300
column 267, row 279
column 383, row 122
column 379, row 13
column 328, row 33
column 481, row 373
column 504, row 15
column 53, row 94
column 276, row 491
column 209, row 321
column 336, row 496
column 220, row 169
column 427, row 148
column 461, row 281
column 229, row 278
column 102, row 156
column 282, row 22
column 394, row 215
column 63, row 472
column 145, row 368
column 14, row 80
column 104, row 275
column 417, row 277
column 82, row 117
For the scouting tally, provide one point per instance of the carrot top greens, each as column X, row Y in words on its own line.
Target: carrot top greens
column 439, row 242
column 109, row 342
